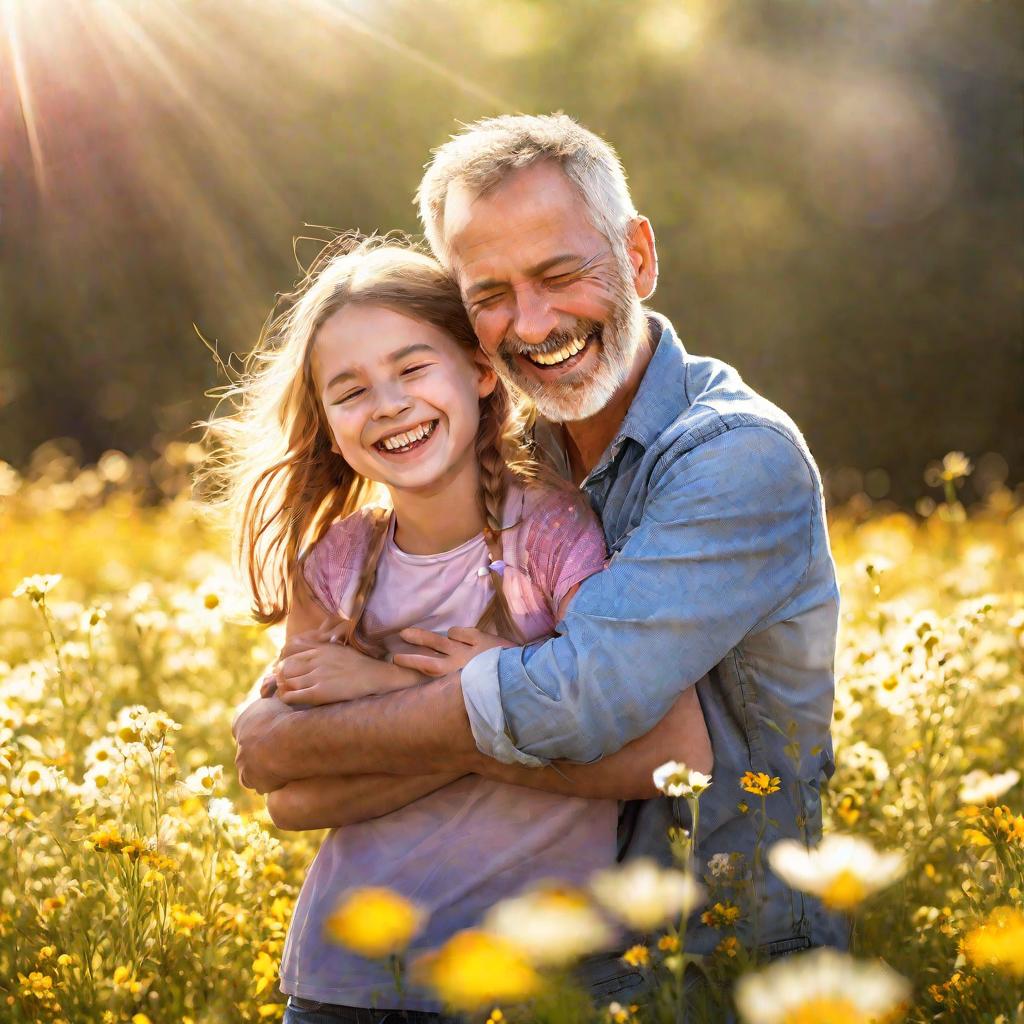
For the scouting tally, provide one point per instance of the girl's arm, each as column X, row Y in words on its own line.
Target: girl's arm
column 306, row 620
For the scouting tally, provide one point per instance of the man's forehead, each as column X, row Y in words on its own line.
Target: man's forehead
column 517, row 223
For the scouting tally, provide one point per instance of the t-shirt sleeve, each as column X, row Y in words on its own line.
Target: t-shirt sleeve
column 334, row 562
column 565, row 543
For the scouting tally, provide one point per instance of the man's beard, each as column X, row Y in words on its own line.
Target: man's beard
column 617, row 340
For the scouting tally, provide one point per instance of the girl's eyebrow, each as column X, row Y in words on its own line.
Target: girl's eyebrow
column 395, row 357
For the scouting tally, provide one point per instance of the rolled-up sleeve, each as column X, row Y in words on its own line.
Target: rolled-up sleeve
column 724, row 540
column 482, row 695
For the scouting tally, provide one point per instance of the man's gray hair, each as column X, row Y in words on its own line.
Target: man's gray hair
column 485, row 153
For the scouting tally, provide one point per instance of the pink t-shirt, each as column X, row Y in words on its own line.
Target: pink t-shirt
column 459, row 850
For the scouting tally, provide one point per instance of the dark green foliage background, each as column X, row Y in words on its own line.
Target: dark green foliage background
column 861, row 265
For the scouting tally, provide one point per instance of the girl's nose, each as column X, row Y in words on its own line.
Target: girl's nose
column 391, row 401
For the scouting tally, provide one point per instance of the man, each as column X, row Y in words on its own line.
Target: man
column 720, row 576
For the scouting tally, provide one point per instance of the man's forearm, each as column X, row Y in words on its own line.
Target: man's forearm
column 628, row 773
column 420, row 730
column 337, row 801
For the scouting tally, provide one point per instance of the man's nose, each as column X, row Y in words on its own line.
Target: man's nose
column 534, row 319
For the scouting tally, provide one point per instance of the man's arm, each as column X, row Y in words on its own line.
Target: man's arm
column 724, row 542
column 333, row 802
column 336, row 801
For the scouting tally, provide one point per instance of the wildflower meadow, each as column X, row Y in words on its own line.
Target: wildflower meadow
column 141, row 884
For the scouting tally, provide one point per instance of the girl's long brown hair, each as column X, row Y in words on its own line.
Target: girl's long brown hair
column 273, row 470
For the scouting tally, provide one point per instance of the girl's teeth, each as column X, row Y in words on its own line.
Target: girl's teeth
column 409, row 437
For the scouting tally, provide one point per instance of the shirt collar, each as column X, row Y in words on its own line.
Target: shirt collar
column 662, row 388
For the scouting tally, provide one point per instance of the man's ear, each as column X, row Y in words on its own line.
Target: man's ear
column 643, row 256
column 487, row 377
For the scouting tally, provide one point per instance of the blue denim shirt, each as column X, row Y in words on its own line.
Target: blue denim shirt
column 721, row 578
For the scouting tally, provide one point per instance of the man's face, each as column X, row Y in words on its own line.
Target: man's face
column 554, row 305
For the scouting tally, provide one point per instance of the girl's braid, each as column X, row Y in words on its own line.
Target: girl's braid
column 352, row 634
column 493, row 487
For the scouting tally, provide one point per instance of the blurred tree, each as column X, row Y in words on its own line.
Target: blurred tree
column 836, row 190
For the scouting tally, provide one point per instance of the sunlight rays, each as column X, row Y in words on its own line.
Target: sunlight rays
column 9, row 14
column 335, row 10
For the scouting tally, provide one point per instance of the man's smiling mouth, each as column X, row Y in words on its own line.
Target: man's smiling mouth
column 407, row 440
column 568, row 353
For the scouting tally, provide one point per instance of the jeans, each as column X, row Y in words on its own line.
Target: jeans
column 306, row 1011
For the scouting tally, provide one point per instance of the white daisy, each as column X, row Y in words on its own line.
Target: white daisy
column 842, row 870
column 553, row 924
column 644, row 895
column 818, row 986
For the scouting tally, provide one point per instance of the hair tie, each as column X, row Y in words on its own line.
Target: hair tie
column 497, row 566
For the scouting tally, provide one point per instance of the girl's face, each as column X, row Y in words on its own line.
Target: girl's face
column 401, row 398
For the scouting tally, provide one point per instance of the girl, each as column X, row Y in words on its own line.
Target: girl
column 373, row 377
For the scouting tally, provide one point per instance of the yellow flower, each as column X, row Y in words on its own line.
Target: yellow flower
column 496, row 1016
column 669, row 943
column 265, row 969
column 637, row 956
column 1011, row 825
column 46, row 952
column 36, row 984
column 269, row 1010
column 728, row 947
column 140, row 1018
column 999, row 942
column 721, row 915
column 976, row 837
column 818, row 987
column 475, row 968
column 760, row 783
column 52, row 903
column 124, row 977
column 107, row 838
column 132, row 850
column 849, row 809
column 374, row 922
column 185, row 920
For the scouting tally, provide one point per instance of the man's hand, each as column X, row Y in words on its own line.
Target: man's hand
column 325, row 673
column 253, row 734
column 443, row 654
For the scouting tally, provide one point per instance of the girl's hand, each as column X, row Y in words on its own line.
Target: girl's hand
column 326, row 673
column 443, row 653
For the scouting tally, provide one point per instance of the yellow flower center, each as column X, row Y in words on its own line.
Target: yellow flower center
column 845, row 891
column 826, row 1011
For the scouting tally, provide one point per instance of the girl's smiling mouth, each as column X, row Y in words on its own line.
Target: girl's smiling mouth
column 408, row 440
